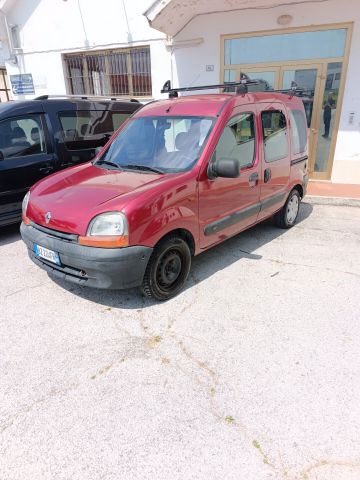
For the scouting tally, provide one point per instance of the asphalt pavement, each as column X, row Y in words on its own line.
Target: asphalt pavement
column 252, row 372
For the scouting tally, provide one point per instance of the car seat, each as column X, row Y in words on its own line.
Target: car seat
column 19, row 138
column 187, row 146
column 35, row 137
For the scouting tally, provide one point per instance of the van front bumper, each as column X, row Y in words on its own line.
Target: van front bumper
column 113, row 268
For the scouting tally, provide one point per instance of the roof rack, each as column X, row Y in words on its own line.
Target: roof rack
column 173, row 92
column 87, row 97
column 240, row 87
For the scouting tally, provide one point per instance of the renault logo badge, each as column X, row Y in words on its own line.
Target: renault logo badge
column 47, row 217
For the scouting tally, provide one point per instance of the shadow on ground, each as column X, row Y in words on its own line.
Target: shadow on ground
column 9, row 234
column 203, row 266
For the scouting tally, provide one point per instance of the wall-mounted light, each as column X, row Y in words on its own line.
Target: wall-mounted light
column 284, row 19
column 15, row 37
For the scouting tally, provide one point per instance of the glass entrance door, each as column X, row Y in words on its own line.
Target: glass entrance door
column 327, row 120
column 306, row 78
column 320, row 83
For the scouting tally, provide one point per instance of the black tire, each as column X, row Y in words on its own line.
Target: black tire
column 168, row 269
column 286, row 217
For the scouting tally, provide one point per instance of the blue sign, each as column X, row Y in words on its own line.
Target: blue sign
column 22, row 84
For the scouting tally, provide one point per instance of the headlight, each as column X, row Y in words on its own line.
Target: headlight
column 111, row 223
column 107, row 230
column 24, row 208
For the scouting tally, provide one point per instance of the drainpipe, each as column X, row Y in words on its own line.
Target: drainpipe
column 8, row 34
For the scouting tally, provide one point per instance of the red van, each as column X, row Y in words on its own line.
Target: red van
column 180, row 176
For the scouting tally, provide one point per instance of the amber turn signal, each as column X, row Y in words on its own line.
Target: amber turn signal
column 26, row 220
column 109, row 241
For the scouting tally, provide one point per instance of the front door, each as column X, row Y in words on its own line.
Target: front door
column 25, row 158
column 229, row 205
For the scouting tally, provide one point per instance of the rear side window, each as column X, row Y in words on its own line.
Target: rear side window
column 238, row 140
column 22, row 136
column 298, row 132
column 275, row 135
column 89, row 128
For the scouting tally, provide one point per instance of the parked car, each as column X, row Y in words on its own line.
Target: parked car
column 181, row 176
column 41, row 136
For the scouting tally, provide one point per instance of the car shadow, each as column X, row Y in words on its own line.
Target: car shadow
column 203, row 266
column 9, row 234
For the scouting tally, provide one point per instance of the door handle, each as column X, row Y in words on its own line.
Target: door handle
column 47, row 169
column 267, row 175
column 254, row 178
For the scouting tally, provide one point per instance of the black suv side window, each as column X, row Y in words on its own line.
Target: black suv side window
column 89, row 129
column 22, row 136
column 238, row 140
column 275, row 135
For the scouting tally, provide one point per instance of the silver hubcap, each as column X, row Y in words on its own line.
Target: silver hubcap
column 292, row 209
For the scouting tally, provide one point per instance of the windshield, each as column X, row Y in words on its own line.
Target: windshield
column 158, row 144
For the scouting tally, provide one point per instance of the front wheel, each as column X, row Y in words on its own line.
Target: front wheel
column 168, row 269
column 286, row 217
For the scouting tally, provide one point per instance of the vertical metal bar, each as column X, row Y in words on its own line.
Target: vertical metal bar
column 114, row 72
column 86, row 75
column 112, row 80
column 144, row 73
column 129, row 73
column 133, row 71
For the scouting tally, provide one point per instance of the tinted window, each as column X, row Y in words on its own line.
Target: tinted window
column 22, row 136
column 275, row 135
column 298, row 132
column 89, row 129
column 238, row 140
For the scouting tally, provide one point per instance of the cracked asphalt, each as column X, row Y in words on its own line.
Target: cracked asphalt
column 252, row 372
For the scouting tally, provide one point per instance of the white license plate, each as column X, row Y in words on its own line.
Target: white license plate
column 46, row 254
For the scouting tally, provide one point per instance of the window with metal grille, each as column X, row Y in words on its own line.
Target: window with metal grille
column 4, row 86
column 124, row 72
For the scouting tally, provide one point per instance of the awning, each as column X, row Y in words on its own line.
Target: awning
column 171, row 16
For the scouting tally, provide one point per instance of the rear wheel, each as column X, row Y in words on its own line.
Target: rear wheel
column 286, row 217
column 168, row 269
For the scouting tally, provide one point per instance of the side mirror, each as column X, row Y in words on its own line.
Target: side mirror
column 226, row 168
column 1, row 156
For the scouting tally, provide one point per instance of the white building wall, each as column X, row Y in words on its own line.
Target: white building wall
column 4, row 46
column 190, row 62
column 48, row 28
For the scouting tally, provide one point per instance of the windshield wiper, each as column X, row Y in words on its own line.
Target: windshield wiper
column 142, row 167
column 107, row 162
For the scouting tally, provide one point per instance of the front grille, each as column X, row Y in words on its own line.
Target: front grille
column 70, row 237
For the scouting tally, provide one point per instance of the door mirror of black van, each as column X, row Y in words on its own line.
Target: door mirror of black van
column 1, row 156
column 226, row 168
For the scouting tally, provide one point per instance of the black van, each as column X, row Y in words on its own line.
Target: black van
column 41, row 136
